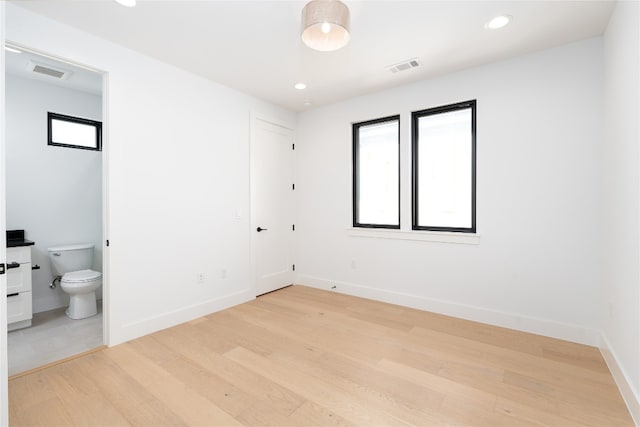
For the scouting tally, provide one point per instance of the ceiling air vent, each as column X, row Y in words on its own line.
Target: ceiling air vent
column 404, row 65
column 47, row 70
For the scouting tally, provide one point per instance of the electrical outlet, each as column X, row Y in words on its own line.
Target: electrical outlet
column 200, row 278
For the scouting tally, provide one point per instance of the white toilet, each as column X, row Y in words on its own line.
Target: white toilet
column 73, row 264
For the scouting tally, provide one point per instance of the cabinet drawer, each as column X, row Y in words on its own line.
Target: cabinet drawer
column 21, row 254
column 19, row 307
column 19, row 279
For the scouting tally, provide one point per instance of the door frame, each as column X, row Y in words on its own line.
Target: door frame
column 253, row 221
column 106, row 299
column 4, row 366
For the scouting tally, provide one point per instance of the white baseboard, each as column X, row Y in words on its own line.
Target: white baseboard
column 519, row 322
column 631, row 398
column 152, row 324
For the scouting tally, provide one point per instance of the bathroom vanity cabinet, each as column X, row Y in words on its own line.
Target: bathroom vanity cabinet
column 19, row 301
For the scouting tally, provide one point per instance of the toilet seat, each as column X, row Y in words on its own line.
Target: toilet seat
column 81, row 276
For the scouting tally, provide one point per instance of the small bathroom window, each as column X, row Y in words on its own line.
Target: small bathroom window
column 74, row 132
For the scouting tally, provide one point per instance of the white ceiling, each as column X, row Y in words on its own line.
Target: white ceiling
column 255, row 47
column 18, row 64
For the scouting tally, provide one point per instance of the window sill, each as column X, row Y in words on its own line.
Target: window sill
column 425, row 236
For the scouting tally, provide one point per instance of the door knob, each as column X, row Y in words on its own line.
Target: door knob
column 259, row 229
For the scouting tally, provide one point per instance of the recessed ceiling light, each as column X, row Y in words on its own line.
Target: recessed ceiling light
column 300, row 86
column 12, row 49
column 306, row 103
column 498, row 22
column 128, row 3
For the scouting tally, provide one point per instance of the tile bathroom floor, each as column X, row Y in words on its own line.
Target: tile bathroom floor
column 51, row 337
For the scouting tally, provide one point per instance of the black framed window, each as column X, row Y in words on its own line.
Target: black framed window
column 376, row 173
column 444, row 168
column 74, row 132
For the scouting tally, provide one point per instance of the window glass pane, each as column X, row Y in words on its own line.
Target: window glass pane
column 444, row 169
column 69, row 133
column 378, row 170
column 74, row 132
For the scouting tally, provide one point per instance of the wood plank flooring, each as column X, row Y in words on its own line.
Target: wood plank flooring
column 304, row 357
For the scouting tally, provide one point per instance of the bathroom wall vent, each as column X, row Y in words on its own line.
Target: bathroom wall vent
column 47, row 70
column 404, row 65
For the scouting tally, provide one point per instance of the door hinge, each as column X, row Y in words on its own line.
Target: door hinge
column 293, row 227
column 294, row 267
column 2, row 269
column 293, row 146
column 107, row 242
column 293, row 186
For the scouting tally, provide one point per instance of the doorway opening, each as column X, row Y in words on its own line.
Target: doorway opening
column 55, row 208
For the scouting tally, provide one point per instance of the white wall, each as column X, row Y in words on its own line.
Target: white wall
column 53, row 193
column 537, row 266
column 621, row 301
column 177, row 164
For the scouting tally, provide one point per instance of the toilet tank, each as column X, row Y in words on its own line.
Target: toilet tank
column 71, row 257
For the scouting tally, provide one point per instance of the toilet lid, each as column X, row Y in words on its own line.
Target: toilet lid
column 81, row 276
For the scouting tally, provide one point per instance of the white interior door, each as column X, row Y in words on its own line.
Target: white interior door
column 4, row 389
column 272, row 205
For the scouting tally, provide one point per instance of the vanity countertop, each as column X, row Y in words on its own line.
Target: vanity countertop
column 14, row 243
column 15, row 238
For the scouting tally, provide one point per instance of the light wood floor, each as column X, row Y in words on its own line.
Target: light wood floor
column 302, row 357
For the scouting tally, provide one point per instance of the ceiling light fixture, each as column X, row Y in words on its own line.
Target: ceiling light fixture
column 325, row 25
column 12, row 49
column 300, row 86
column 128, row 3
column 498, row 22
